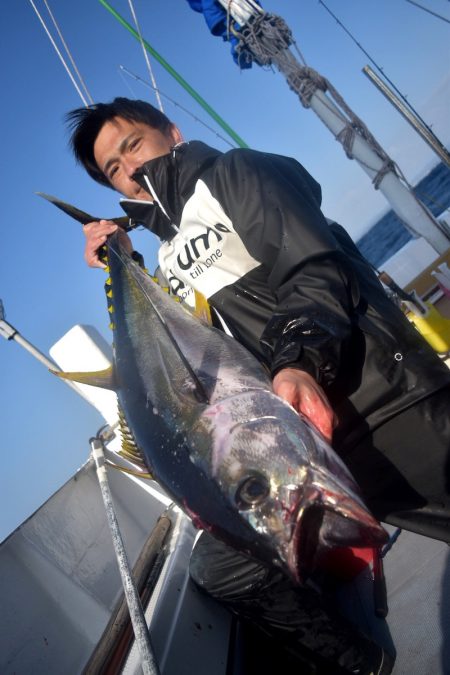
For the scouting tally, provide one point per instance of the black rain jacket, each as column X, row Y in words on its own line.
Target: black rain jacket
column 245, row 229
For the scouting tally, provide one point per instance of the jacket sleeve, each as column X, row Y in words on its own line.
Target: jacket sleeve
column 274, row 205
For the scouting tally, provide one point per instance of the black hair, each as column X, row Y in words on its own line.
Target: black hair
column 85, row 125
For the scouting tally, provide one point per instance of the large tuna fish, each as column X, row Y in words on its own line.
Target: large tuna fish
column 239, row 460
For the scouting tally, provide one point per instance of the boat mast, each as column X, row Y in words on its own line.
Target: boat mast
column 268, row 39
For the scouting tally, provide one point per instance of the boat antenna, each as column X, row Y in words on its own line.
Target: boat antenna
column 122, row 70
column 425, row 9
column 147, row 60
column 379, row 68
column 61, row 57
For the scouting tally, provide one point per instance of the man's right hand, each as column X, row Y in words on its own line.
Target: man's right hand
column 96, row 234
column 306, row 396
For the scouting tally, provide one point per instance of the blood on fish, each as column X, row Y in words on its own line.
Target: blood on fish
column 196, row 520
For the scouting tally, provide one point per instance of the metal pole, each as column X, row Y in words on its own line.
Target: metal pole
column 149, row 665
column 10, row 333
column 426, row 133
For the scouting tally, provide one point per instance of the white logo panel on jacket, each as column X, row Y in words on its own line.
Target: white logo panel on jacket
column 207, row 253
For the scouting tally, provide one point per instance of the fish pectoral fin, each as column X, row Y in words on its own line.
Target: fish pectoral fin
column 101, row 378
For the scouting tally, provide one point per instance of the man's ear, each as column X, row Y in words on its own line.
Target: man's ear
column 175, row 134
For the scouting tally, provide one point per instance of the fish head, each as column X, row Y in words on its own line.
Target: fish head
column 288, row 484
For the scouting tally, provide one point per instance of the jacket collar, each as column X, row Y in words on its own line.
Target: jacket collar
column 170, row 180
column 148, row 215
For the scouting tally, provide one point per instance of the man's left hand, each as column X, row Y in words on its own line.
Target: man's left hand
column 306, row 396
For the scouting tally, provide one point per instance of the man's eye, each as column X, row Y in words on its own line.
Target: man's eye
column 134, row 144
column 113, row 172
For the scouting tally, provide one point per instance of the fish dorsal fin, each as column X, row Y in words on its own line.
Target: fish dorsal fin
column 82, row 216
column 101, row 378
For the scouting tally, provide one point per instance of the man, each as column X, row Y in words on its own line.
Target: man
column 245, row 229
column 118, row 164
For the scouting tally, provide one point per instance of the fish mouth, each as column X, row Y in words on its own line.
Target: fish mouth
column 320, row 527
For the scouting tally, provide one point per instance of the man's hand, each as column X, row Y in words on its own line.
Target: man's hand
column 96, row 234
column 307, row 397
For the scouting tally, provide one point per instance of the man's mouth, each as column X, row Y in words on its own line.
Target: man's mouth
column 144, row 195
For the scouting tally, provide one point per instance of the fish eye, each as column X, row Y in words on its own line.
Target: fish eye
column 252, row 491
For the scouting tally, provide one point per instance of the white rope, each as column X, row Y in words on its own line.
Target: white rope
column 147, row 60
column 60, row 55
column 72, row 61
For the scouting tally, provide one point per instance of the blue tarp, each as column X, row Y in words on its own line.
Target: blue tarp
column 216, row 18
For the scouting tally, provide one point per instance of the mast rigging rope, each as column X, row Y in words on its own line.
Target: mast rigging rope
column 425, row 9
column 72, row 60
column 147, row 60
column 61, row 57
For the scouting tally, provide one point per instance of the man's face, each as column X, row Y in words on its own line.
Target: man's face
column 122, row 146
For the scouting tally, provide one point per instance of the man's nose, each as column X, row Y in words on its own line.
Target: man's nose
column 131, row 165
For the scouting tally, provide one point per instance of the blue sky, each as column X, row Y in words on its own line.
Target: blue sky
column 44, row 282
